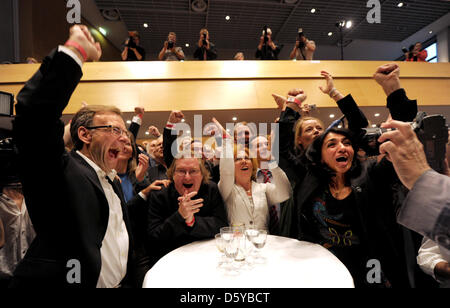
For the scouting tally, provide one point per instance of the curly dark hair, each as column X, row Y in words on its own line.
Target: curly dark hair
column 313, row 157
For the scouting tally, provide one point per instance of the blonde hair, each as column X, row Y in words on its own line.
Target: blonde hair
column 237, row 150
column 299, row 130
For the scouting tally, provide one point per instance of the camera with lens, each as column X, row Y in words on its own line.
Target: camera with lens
column 408, row 51
column 300, row 38
column 204, row 39
column 8, row 173
column 170, row 45
column 131, row 43
column 266, row 38
column 431, row 130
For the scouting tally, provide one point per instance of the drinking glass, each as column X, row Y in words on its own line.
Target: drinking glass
column 259, row 241
column 221, row 247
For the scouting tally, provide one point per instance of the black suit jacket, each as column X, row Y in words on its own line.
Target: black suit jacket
column 64, row 197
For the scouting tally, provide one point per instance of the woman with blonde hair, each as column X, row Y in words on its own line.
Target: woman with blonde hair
column 246, row 200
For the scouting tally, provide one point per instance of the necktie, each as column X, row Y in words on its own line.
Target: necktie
column 273, row 214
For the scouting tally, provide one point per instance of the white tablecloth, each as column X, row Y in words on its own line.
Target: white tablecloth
column 289, row 263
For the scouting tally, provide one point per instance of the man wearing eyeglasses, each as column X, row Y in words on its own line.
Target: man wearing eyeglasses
column 189, row 209
column 83, row 236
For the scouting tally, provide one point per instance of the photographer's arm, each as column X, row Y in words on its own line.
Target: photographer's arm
column 125, row 53
column 163, row 51
column 293, row 53
column 138, row 55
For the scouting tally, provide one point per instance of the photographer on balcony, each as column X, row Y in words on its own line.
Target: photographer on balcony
column 415, row 53
column 267, row 49
column 304, row 48
column 206, row 50
column 133, row 51
column 171, row 52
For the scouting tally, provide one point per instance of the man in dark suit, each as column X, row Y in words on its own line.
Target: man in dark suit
column 83, row 237
column 189, row 209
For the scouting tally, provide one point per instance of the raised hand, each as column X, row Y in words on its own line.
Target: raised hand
column 329, row 83
column 388, row 77
column 80, row 34
column 142, row 167
column 280, row 100
column 176, row 116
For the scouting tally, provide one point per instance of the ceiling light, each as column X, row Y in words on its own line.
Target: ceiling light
column 431, row 31
column 227, row 17
column 145, row 25
column 332, row 116
column 313, row 10
column 400, row 4
column 234, row 119
column 187, row 45
column 128, row 121
column 102, row 31
column 377, row 114
column 348, row 25
column 330, row 33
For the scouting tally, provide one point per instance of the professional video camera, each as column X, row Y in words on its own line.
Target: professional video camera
column 8, row 173
column 431, row 130
column 300, row 38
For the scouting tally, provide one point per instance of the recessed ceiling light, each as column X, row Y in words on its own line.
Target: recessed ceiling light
column 234, row 118
column 431, row 31
column 330, row 33
column 227, row 17
column 145, row 25
column 400, row 4
column 377, row 114
column 187, row 45
column 331, row 115
column 313, row 10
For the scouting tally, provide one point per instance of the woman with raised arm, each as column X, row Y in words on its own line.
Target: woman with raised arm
column 246, row 200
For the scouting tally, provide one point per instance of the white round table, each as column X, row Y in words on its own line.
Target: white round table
column 289, row 263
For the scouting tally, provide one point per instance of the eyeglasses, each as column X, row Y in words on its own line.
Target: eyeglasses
column 182, row 172
column 112, row 129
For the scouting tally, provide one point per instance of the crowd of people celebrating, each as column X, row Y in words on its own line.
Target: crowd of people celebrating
column 89, row 192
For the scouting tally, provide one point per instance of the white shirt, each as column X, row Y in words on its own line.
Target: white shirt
column 114, row 250
column 240, row 208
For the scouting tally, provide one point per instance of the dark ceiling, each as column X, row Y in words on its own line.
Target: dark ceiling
column 284, row 17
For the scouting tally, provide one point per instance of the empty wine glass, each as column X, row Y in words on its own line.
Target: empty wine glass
column 259, row 241
column 221, row 247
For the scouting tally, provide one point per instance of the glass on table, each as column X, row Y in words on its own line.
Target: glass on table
column 259, row 241
column 221, row 247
